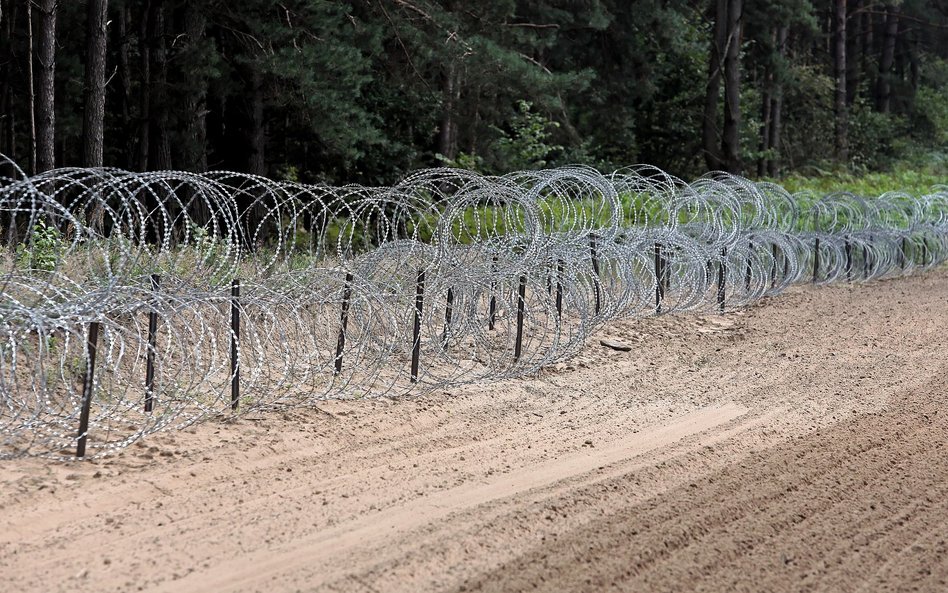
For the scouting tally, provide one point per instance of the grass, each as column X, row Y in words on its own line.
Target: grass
column 912, row 181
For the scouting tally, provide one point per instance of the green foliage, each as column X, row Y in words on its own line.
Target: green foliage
column 43, row 250
column 912, row 181
column 360, row 91
column 873, row 138
column 470, row 162
column 930, row 120
column 809, row 122
column 526, row 145
column 290, row 173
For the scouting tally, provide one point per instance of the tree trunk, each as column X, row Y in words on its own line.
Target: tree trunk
column 773, row 163
column 31, row 83
column 256, row 164
column 867, row 44
column 730, row 138
column 195, row 146
column 914, row 67
column 144, row 107
column 887, row 59
column 766, row 106
column 7, row 129
column 46, row 87
column 160, row 151
column 841, row 143
column 710, row 138
column 124, row 74
column 93, row 121
column 854, row 52
column 447, row 131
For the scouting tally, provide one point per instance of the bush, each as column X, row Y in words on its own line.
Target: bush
column 44, row 249
column 875, row 139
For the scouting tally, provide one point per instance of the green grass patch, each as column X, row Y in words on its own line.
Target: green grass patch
column 912, row 181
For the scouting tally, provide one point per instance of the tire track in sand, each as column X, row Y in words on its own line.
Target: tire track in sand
column 326, row 547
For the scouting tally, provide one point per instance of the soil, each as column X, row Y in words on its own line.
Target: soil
column 799, row 445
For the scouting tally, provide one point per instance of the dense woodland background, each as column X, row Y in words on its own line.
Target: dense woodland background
column 366, row 90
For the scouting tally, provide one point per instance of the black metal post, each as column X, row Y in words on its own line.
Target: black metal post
column 492, row 305
column 773, row 269
column 559, row 289
column 595, row 264
column 416, row 330
column 235, row 343
column 902, row 255
column 659, row 280
column 722, row 277
column 150, row 355
column 865, row 259
column 343, row 322
column 849, row 262
column 747, row 270
column 666, row 273
column 521, row 303
column 448, row 314
column 816, row 260
column 88, row 387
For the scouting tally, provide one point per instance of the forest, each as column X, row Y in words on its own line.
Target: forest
column 364, row 91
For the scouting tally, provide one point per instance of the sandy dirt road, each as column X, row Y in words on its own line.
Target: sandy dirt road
column 801, row 445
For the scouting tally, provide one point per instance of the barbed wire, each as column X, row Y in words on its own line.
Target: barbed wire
column 120, row 291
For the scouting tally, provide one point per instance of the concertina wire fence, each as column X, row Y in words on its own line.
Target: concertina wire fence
column 132, row 303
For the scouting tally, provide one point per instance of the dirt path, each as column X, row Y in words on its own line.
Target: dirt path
column 800, row 445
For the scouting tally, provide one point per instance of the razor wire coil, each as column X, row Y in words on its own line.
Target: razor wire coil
column 445, row 278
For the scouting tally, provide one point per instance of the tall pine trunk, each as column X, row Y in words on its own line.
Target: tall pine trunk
column 710, row 138
column 854, row 52
column 46, row 86
column 31, row 83
column 159, row 134
column 194, row 148
column 730, row 137
column 145, row 88
column 93, row 121
column 7, row 127
column 256, row 163
column 124, row 75
column 766, row 107
column 841, row 140
column 447, row 131
column 887, row 59
column 776, row 110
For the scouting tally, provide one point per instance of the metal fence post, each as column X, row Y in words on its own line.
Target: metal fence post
column 559, row 289
column 448, row 314
column 816, row 260
column 595, row 264
column 235, row 343
column 521, row 302
column 416, row 330
column 492, row 305
column 150, row 355
column 849, row 262
column 748, row 272
column 659, row 278
column 88, row 388
column 343, row 323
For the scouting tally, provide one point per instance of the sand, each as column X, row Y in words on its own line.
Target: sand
column 799, row 445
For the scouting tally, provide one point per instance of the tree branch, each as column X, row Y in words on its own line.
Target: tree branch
column 402, row 44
